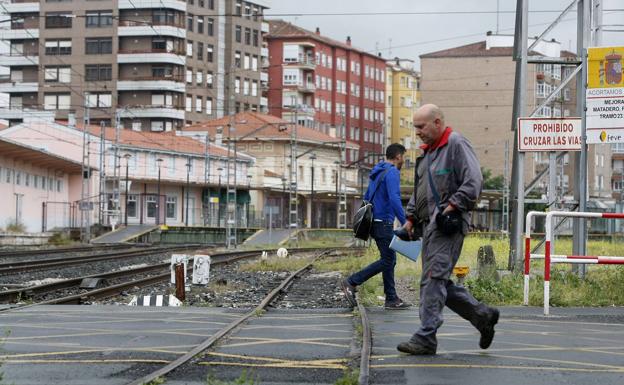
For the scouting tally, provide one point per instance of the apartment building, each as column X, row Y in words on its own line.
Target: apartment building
column 474, row 85
column 328, row 85
column 402, row 100
column 155, row 66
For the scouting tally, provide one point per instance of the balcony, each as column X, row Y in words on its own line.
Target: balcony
column 147, row 4
column 264, row 77
column 305, row 87
column 22, row 6
column 265, row 27
column 302, row 109
column 19, row 60
column 10, row 86
column 151, row 56
column 264, row 101
column 19, row 34
column 147, row 28
column 303, row 62
column 264, row 52
column 152, row 111
column 151, row 83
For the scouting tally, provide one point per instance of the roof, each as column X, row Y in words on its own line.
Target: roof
column 38, row 156
column 258, row 125
column 479, row 50
column 283, row 29
column 163, row 141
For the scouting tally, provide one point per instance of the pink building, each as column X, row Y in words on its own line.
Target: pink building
column 31, row 177
column 171, row 179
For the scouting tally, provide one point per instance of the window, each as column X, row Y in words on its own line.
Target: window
column 239, row 8
column 210, row 27
column 189, row 22
column 248, row 11
column 211, row 4
column 209, row 53
column 237, row 59
column 246, row 87
column 247, row 61
column 162, row 72
column 540, row 90
column 58, row 47
column 256, row 38
column 189, row 75
column 18, row 178
column 171, row 207
column 199, row 77
column 163, row 17
column 100, row 45
column 58, row 20
column 150, row 203
column 8, row 174
column 254, row 88
column 99, row 99
column 254, row 63
column 95, row 19
column 209, row 79
column 237, row 85
column 248, row 36
column 238, row 34
column 189, row 48
column 131, row 208
column 200, row 51
column 189, row 103
column 98, row 72
column 199, row 102
column 209, row 105
column 57, row 74
column 56, row 101
column 165, row 100
column 157, row 125
column 200, row 24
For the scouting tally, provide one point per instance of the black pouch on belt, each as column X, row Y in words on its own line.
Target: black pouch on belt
column 449, row 223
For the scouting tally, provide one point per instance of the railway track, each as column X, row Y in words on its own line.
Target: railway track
column 34, row 265
column 61, row 250
column 274, row 295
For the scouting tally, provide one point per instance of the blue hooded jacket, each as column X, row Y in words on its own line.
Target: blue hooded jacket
column 387, row 201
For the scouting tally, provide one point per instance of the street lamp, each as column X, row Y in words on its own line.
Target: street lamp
column 158, row 161
column 127, row 156
column 188, row 172
column 220, row 169
column 312, row 212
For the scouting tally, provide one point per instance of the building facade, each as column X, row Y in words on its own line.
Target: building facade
column 328, row 85
column 320, row 177
column 474, row 86
column 402, row 100
column 161, row 178
column 153, row 65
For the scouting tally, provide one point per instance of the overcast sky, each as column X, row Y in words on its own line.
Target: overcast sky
column 409, row 36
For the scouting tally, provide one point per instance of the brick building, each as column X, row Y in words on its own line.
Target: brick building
column 328, row 85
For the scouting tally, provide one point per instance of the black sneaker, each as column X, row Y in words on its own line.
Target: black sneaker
column 487, row 332
column 415, row 349
column 349, row 292
column 397, row 304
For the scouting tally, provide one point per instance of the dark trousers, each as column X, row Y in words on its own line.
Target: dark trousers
column 439, row 255
column 382, row 233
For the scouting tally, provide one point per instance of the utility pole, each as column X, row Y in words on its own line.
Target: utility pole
column 293, row 201
column 506, row 182
column 102, row 195
column 115, row 219
column 84, row 205
column 230, row 196
column 341, row 190
column 206, row 179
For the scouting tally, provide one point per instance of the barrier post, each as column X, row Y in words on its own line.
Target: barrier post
column 547, row 252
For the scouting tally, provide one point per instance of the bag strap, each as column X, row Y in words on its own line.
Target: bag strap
column 434, row 191
column 378, row 183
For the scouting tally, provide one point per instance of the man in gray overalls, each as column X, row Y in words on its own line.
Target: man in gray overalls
column 449, row 162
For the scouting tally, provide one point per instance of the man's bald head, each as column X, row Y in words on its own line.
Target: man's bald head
column 429, row 123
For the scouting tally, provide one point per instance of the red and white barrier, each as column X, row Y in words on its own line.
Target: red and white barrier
column 527, row 251
column 551, row 258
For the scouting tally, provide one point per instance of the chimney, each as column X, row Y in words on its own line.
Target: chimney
column 349, row 41
column 318, row 31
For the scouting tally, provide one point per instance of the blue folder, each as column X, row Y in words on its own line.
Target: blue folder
column 410, row 249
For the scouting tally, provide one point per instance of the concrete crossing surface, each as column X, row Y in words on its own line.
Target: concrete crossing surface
column 105, row 345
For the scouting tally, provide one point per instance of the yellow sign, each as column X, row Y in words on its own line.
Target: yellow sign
column 604, row 67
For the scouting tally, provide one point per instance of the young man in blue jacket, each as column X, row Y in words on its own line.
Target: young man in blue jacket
column 385, row 177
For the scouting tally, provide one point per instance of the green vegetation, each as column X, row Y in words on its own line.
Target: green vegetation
column 492, row 182
column 157, row 381
column 15, row 227
column 243, row 379
column 350, row 377
column 276, row 264
column 59, row 239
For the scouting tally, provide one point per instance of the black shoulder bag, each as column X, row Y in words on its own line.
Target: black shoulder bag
column 363, row 219
column 450, row 223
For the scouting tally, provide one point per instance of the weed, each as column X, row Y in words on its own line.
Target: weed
column 259, row 312
column 157, row 381
column 14, row 226
column 59, row 239
column 244, row 379
column 349, row 377
column 276, row 264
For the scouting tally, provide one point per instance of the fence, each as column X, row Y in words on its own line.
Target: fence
column 550, row 257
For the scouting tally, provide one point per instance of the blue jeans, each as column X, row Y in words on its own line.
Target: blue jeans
column 382, row 233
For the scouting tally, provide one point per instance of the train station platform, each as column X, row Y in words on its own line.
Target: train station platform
column 106, row 345
column 124, row 234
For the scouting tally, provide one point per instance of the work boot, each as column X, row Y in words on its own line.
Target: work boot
column 487, row 330
column 349, row 292
column 415, row 349
column 397, row 304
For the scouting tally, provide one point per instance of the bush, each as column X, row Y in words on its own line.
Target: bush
column 15, row 227
column 59, row 239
